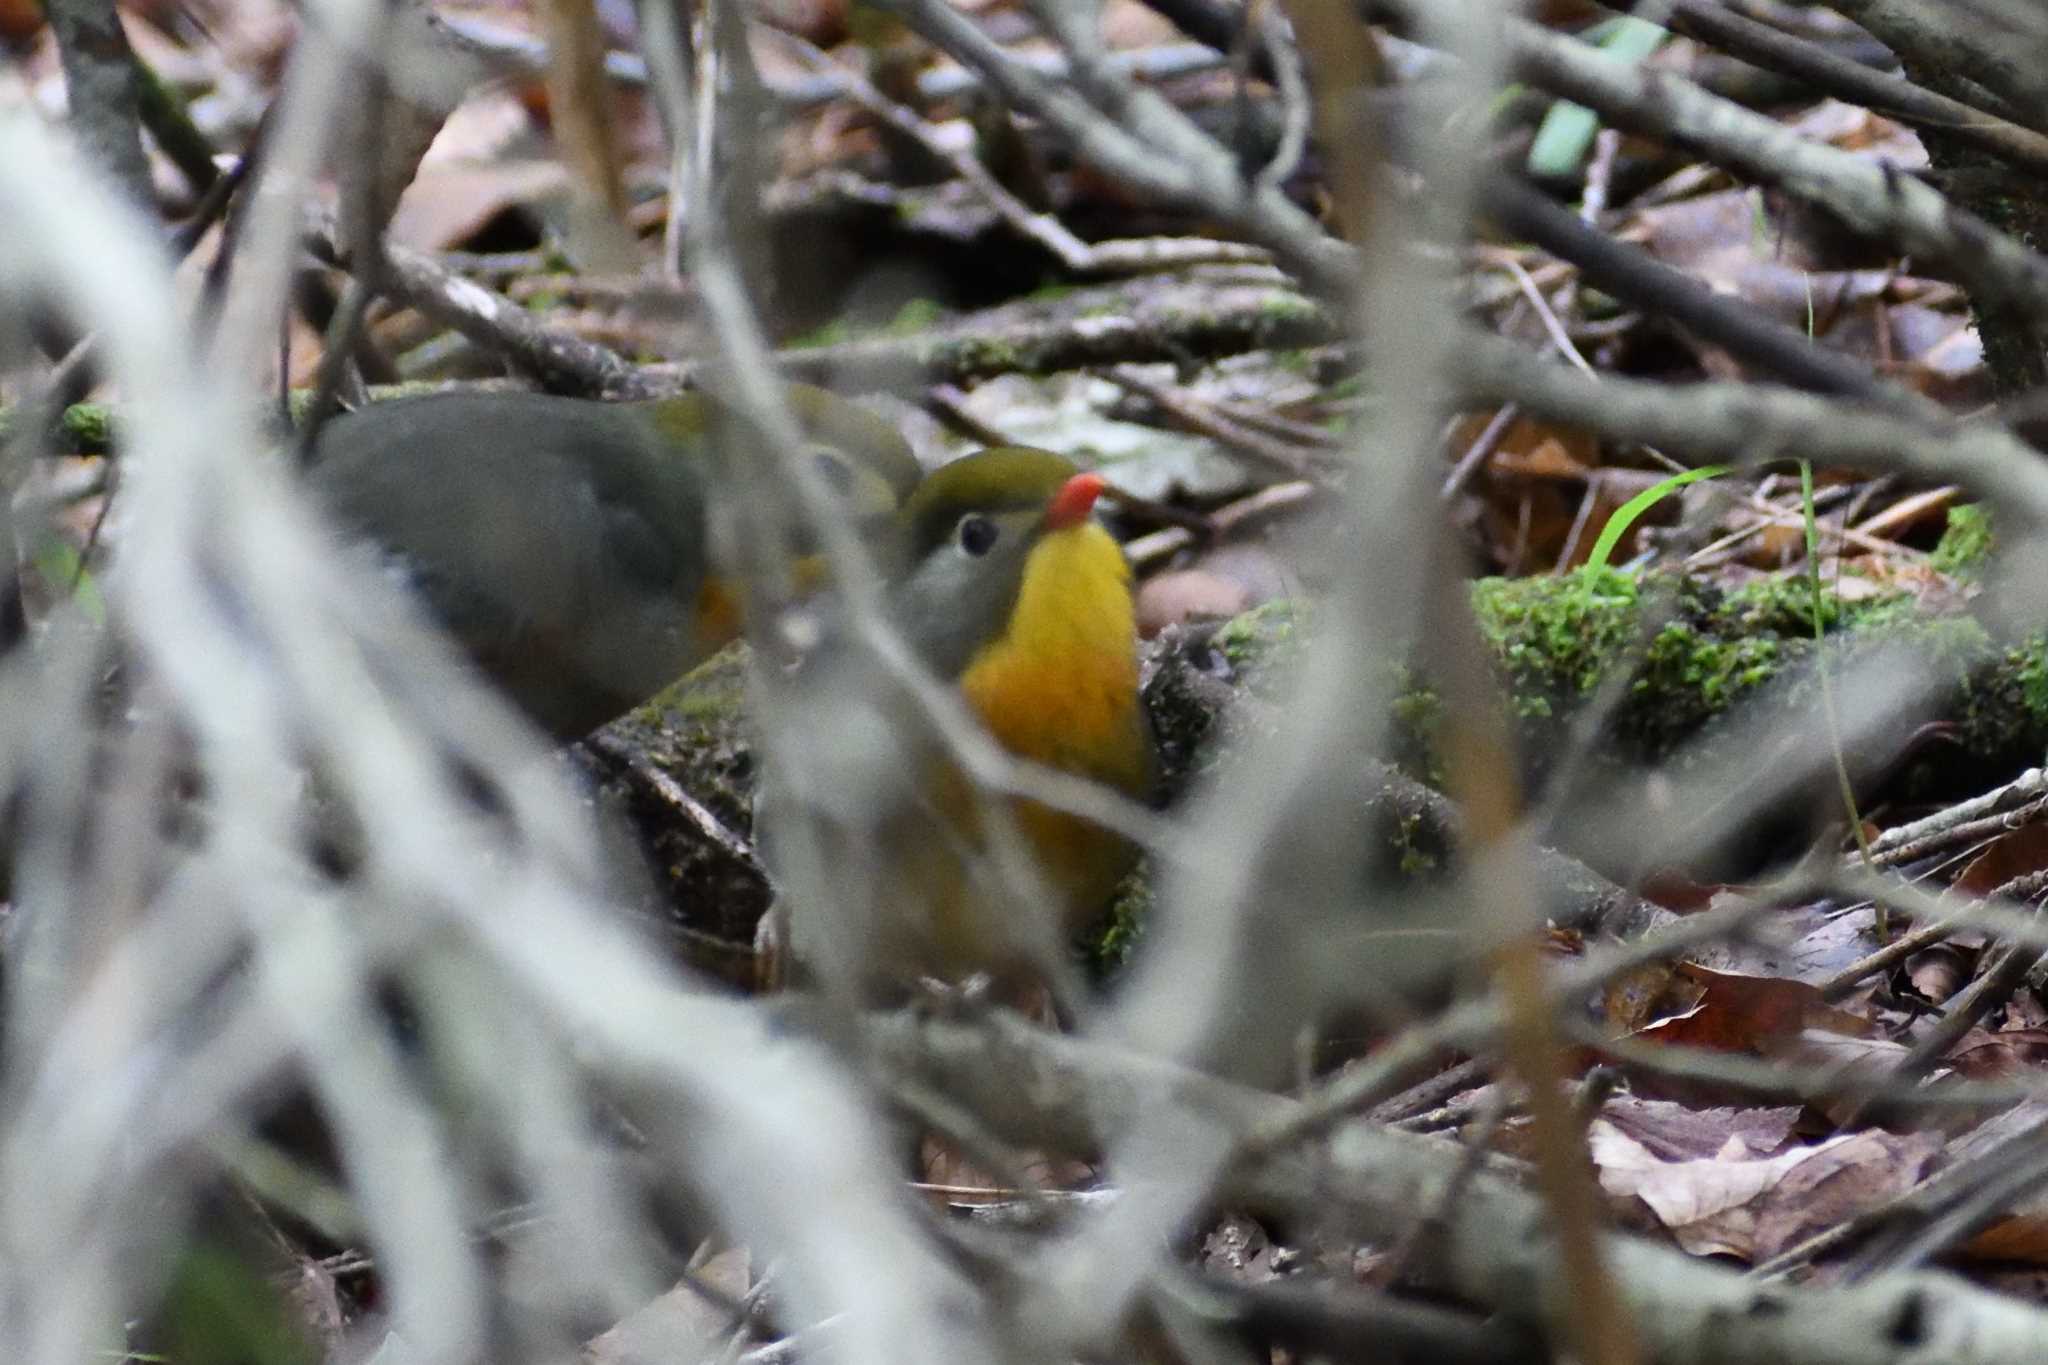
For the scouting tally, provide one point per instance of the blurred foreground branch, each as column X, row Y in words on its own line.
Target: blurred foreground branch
column 1494, row 1250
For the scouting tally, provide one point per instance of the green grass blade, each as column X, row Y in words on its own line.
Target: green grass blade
column 66, row 573
column 1632, row 510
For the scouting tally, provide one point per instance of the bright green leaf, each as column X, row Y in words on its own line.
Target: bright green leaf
column 1567, row 129
column 1632, row 510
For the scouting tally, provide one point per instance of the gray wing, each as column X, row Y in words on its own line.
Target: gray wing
column 556, row 539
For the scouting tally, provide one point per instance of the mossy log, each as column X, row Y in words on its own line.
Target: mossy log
column 1674, row 663
column 1674, row 658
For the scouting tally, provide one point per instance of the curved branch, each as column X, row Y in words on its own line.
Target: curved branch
column 1877, row 199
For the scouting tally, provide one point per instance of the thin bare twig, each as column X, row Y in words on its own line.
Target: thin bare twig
column 1099, row 258
column 1200, row 417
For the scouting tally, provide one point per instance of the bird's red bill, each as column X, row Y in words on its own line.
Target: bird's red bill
column 1072, row 504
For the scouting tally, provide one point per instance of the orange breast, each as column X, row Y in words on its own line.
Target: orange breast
column 1060, row 687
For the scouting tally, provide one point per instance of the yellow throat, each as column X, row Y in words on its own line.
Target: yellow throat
column 1059, row 686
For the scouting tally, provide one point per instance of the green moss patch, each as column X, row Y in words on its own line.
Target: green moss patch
column 1967, row 541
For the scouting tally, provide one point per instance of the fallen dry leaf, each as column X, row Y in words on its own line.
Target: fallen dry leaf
column 1861, row 1066
column 1759, row 1014
column 1547, row 459
column 2015, row 854
column 1677, row 891
column 1985, row 1056
column 1678, row 1132
column 1940, row 970
column 2021, row 1236
column 1563, row 446
column 950, row 1179
column 1837, row 939
column 1860, row 1059
column 683, row 1324
column 20, row 21
column 1862, row 133
column 1182, row 595
column 1221, row 583
column 449, row 204
column 1737, row 1204
column 1634, row 998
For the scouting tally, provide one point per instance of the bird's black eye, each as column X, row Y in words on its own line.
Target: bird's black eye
column 977, row 534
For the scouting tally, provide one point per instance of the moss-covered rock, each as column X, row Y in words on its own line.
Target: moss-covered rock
column 83, row 429
column 1674, row 658
column 1555, row 638
column 1261, row 639
column 1107, row 949
column 695, row 735
column 1966, row 543
column 1680, row 652
column 2002, row 702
